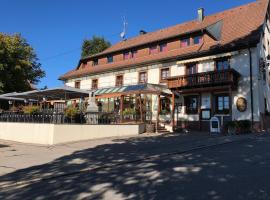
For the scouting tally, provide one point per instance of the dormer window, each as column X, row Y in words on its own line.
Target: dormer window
column 133, row 53
column 95, row 62
column 153, row 50
column 163, row 47
column 126, row 55
column 109, row 59
column 197, row 40
column 185, row 42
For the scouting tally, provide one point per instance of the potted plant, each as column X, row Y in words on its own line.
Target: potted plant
column 150, row 127
column 71, row 113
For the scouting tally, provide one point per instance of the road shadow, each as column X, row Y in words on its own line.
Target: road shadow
column 120, row 150
column 4, row 146
column 225, row 172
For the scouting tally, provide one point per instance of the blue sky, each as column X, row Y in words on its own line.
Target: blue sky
column 56, row 28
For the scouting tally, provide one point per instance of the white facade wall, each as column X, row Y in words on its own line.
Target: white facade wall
column 85, row 84
column 240, row 63
column 153, row 75
column 70, row 83
column 177, row 70
column 131, row 77
column 264, row 53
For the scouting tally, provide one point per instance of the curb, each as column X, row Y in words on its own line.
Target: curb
column 199, row 147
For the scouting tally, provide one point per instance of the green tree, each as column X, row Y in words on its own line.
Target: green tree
column 94, row 46
column 19, row 66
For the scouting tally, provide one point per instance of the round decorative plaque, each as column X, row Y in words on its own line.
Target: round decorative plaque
column 241, row 104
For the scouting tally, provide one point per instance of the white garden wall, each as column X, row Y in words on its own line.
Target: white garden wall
column 49, row 134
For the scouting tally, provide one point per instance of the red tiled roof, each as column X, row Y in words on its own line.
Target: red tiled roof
column 238, row 23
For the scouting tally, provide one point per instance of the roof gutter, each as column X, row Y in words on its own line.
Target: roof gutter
column 251, row 87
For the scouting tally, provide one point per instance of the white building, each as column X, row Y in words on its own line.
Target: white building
column 214, row 66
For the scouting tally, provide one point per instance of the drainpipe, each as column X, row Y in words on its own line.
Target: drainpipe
column 251, row 86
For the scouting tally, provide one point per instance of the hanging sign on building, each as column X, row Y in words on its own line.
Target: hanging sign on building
column 241, row 104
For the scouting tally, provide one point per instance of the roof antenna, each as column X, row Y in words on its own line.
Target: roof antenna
column 123, row 33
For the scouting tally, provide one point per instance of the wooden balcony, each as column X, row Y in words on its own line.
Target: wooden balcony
column 205, row 79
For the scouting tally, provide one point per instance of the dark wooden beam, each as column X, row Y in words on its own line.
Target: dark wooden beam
column 141, row 113
column 121, row 108
column 173, row 109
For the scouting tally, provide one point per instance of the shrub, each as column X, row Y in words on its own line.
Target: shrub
column 71, row 112
column 244, row 126
column 129, row 111
column 239, row 127
column 30, row 109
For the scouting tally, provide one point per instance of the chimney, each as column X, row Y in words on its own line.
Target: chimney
column 200, row 14
column 142, row 32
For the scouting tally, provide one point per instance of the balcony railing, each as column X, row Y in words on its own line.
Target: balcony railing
column 212, row 78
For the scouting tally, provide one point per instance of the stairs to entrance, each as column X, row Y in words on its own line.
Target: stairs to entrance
column 163, row 129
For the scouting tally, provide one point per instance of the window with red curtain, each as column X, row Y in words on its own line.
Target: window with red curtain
column 153, row 50
column 163, row 47
column 126, row 55
column 185, row 42
column 133, row 53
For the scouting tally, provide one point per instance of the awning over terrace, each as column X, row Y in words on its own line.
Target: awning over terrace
column 59, row 93
column 132, row 89
column 6, row 97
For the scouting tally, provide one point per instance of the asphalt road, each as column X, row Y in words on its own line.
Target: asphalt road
column 239, row 170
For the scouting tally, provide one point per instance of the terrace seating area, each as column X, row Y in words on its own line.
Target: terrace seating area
column 67, row 105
